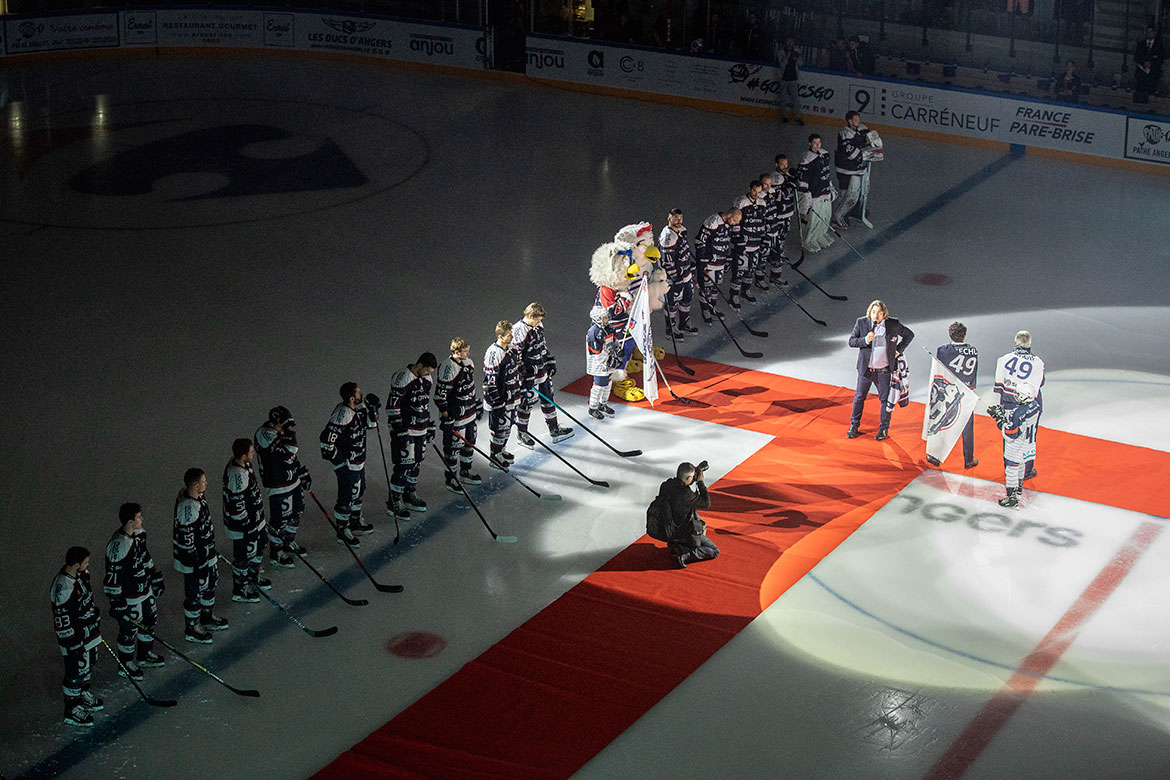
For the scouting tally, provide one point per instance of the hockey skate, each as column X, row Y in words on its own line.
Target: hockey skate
column 359, row 526
column 707, row 318
column 346, row 537
column 151, row 660
column 263, row 583
column 245, row 594
column 452, row 484
column 606, row 409
column 295, row 548
column 214, row 622
column 91, row 702
column 1031, row 473
column 628, row 391
column 197, row 635
column 281, row 558
column 762, row 283
column 396, row 509
column 777, row 280
column 735, row 302
column 596, row 413
column 470, row 477
column 1012, row 499
column 524, row 440
column 78, row 715
column 684, row 324
column 560, row 433
column 747, row 294
column 413, row 503
column 130, row 670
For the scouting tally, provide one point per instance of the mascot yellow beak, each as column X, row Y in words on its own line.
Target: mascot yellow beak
column 652, row 254
column 633, row 271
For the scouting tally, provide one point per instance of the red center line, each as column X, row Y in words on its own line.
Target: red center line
column 978, row 735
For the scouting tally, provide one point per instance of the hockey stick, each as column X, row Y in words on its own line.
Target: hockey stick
column 238, row 691
column 677, row 359
column 504, row 468
column 284, row 611
column 590, row 431
column 379, row 586
column 838, row 234
column 463, row 490
column 788, row 295
column 669, row 389
column 382, row 449
column 598, row 482
column 320, row 576
column 126, row 672
column 814, row 284
column 742, row 351
column 763, row 334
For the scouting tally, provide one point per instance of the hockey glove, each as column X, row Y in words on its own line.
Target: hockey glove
column 305, row 477
column 430, row 432
column 373, row 402
column 999, row 414
column 157, row 583
column 550, row 366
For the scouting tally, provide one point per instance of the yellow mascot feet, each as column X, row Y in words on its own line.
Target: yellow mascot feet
column 628, row 391
column 633, row 366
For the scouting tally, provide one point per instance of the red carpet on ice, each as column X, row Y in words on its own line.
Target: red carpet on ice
column 562, row 686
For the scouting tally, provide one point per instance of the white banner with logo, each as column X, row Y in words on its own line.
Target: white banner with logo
column 640, row 330
column 236, row 28
column 454, row 46
column 1147, row 140
column 24, row 35
column 950, row 406
column 970, row 114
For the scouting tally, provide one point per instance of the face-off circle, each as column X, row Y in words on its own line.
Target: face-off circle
column 416, row 644
column 196, row 163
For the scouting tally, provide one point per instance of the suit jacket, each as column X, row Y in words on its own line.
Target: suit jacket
column 898, row 337
column 1153, row 55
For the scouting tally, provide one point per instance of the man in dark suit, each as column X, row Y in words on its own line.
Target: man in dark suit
column 879, row 339
column 1148, row 56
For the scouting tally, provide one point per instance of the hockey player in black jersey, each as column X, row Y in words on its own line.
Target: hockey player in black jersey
column 408, row 413
column 537, row 368
column 746, row 237
column 459, row 411
column 963, row 361
column 75, row 619
column 501, row 390
column 243, row 517
column 343, row 444
column 678, row 261
column 286, row 481
column 133, row 585
column 196, row 557
column 713, row 251
column 784, row 197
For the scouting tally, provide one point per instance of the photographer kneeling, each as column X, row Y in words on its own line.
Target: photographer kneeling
column 674, row 519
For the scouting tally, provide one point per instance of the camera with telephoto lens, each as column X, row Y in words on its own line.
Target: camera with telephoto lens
column 703, row 466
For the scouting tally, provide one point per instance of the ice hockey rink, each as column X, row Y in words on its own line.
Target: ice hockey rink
column 188, row 242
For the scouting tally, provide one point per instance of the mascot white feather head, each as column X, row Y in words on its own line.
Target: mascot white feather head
column 611, row 266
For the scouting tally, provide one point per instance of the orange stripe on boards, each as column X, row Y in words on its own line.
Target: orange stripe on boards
column 967, row 748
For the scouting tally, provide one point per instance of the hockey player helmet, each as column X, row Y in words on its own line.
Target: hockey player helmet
column 279, row 415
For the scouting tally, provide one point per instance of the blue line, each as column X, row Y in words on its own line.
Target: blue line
column 846, row 262
column 241, row 645
column 972, row 657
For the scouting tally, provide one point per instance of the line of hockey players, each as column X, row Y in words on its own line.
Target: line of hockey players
column 745, row 242
column 517, row 374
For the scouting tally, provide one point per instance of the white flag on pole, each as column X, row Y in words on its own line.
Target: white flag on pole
column 950, row 407
column 643, row 336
